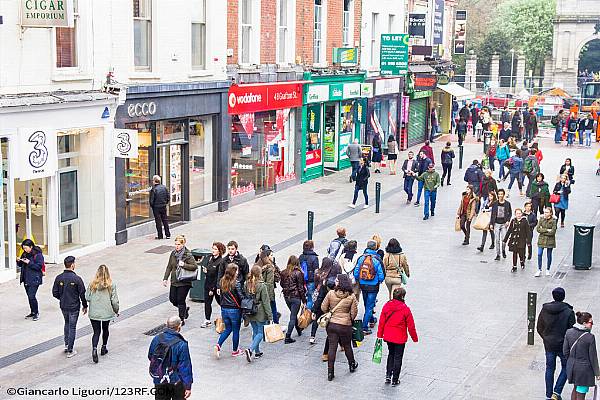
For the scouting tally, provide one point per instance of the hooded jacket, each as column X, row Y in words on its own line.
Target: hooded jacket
column 539, row 190
column 554, row 320
column 474, row 176
column 379, row 275
column 396, row 322
column 180, row 358
column 431, row 180
column 312, row 262
column 447, row 155
column 31, row 274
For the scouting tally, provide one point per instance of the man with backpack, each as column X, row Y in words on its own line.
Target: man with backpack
column 369, row 273
column 309, row 263
column 170, row 363
column 336, row 247
column 474, row 176
column 531, row 168
column 558, row 121
column 572, row 125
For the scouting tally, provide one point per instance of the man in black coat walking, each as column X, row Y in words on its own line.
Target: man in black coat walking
column 159, row 198
column 554, row 320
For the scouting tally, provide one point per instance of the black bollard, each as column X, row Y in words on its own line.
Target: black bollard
column 531, row 307
column 311, row 221
column 460, row 156
column 377, row 196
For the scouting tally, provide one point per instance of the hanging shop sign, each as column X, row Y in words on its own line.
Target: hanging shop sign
column 125, row 143
column 438, row 28
column 425, row 82
column 417, row 94
column 37, row 154
column 460, row 31
column 416, row 25
column 366, row 90
column 387, row 86
column 345, row 56
column 47, row 13
column 252, row 98
column 394, row 54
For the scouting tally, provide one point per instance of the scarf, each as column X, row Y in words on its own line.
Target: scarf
column 581, row 327
column 179, row 254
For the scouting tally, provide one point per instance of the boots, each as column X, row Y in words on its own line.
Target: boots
column 95, row 355
column 330, row 374
column 353, row 365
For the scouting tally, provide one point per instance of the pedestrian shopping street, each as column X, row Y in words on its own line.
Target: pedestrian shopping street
column 470, row 311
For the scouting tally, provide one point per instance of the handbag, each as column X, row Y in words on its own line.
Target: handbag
column 457, row 224
column 185, row 275
column 554, row 198
column 219, row 325
column 403, row 276
column 482, row 222
column 273, row 333
column 323, row 320
column 248, row 306
column 304, row 317
column 378, row 351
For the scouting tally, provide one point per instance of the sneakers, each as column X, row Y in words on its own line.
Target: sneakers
column 433, row 214
column 258, row 355
column 217, row 351
column 206, row 324
column 365, row 206
column 353, row 366
column 312, row 340
column 395, row 383
column 514, row 269
column 248, row 354
column 237, row 353
column 29, row 316
column 66, row 350
column 352, row 205
column 417, row 204
column 425, row 218
column 388, row 380
column 36, row 317
column 289, row 340
column 71, row 353
column 538, row 273
column 103, row 351
column 547, row 272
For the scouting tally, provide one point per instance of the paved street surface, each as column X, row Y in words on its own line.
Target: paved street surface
column 470, row 311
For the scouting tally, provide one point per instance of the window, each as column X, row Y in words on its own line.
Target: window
column 142, row 32
column 374, row 22
column 66, row 43
column 68, row 196
column 199, row 34
column 346, row 24
column 391, row 20
column 318, row 41
column 246, row 25
column 282, row 29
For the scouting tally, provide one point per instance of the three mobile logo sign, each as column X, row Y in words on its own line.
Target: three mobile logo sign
column 37, row 154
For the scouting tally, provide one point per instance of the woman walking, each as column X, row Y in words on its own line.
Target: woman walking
column 361, row 182
column 103, row 306
column 394, row 261
column 546, row 229
column 31, row 263
column 532, row 221
column 466, row 212
column 392, row 154
column 343, row 306
column 502, row 154
column 396, row 324
column 294, row 293
column 211, row 272
column 562, row 189
column 516, row 124
column 377, row 152
column 491, row 153
column 488, row 185
column 539, row 194
column 266, row 262
column 256, row 289
column 491, row 200
column 579, row 348
column 569, row 169
column 517, row 236
column 180, row 259
column 447, row 156
column 231, row 312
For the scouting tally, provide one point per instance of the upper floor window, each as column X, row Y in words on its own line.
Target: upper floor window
column 199, row 34
column 391, row 22
column 374, row 34
column 142, row 33
column 246, row 29
column 282, row 30
column 318, row 33
column 346, row 24
column 66, row 43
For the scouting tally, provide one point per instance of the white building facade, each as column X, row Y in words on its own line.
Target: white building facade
column 378, row 16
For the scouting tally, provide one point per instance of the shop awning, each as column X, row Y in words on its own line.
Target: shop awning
column 457, row 91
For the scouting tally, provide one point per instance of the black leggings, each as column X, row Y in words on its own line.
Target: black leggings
column 177, row 296
column 560, row 212
column 465, row 226
column 208, row 299
column 342, row 334
column 394, row 360
column 447, row 171
column 485, row 233
column 518, row 253
column 97, row 326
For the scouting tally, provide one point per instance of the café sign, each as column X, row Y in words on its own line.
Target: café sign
column 47, row 13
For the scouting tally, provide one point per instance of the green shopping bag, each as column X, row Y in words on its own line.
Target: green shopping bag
column 378, row 352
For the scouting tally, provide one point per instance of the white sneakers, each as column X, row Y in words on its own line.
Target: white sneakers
column 547, row 272
column 72, row 353
column 352, row 205
column 366, row 206
column 206, row 324
column 538, row 273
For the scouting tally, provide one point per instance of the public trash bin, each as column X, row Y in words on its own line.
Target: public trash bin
column 487, row 139
column 197, row 291
column 583, row 242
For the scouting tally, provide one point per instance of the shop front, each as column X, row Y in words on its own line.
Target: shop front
column 177, row 131
column 442, row 99
column 333, row 116
column 384, row 110
column 56, row 171
column 420, row 89
column 264, row 133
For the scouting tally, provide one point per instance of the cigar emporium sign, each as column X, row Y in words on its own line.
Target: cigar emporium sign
column 47, row 13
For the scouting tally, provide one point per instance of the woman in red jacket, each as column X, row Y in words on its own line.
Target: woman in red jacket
column 395, row 323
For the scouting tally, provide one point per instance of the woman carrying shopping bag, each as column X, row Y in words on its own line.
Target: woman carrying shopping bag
column 256, row 288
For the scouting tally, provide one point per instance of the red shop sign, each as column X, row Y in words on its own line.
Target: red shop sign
column 313, row 157
column 261, row 97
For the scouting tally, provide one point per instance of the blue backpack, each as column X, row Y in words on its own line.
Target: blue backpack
column 304, row 266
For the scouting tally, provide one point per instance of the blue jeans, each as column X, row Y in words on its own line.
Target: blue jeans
column 408, row 186
column 369, row 299
column 430, row 196
column 420, row 185
column 581, row 133
column 550, row 369
column 588, row 137
column 257, row 335
column 492, row 160
column 232, row 318
column 570, row 137
column 358, row 189
column 70, row 327
column 558, row 134
column 31, row 291
column 275, row 312
column 548, row 256
column 502, row 173
column 355, row 165
column 517, row 177
column 310, row 288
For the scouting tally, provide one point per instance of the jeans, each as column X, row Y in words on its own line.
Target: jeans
column 465, row 226
column 394, row 360
column 492, row 160
column 588, row 137
column 232, row 317
column 558, row 134
column 31, row 291
column 358, row 189
column 420, row 185
column 484, row 237
column 208, row 299
column 581, row 133
column 169, row 391
column 548, row 257
column 355, row 165
column 528, row 134
column 294, row 306
column 369, row 299
column 550, row 369
column 430, row 196
column 70, row 317
column 342, row 334
column 408, row 186
column 160, row 219
column 570, row 137
column 275, row 312
column 447, row 168
column 177, row 296
column 513, row 177
column 98, row 326
column 502, row 172
column 500, row 232
column 257, row 335
column 310, row 288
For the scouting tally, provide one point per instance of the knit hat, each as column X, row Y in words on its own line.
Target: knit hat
column 558, row 294
column 371, row 245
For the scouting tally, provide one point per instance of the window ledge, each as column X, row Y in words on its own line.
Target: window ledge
column 199, row 73
column 144, row 75
column 65, row 76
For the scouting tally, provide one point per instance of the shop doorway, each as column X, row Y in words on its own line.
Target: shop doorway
column 169, row 167
column 31, row 211
column 331, row 137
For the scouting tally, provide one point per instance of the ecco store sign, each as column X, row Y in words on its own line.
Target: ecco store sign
column 252, row 98
column 141, row 109
column 46, row 13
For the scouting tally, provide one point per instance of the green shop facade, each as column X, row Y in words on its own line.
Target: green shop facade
column 333, row 115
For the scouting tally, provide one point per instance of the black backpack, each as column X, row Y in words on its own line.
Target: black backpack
column 160, row 360
column 554, row 120
column 572, row 125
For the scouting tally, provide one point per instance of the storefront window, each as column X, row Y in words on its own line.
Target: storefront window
column 347, row 126
column 170, row 130
column 5, row 204
column 329, row 141
column 313, row 136
column 138, row 177
column 385, row 114
column 201, row 161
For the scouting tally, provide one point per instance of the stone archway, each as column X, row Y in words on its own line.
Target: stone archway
column 589, row 55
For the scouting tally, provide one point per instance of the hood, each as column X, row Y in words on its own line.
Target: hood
column 473, row 166
column 556, row 307
column 171, row 334
column 540, row 184
column 447, row 149
column 341, row 294
column 372, row 252
column 309, row 253
column 395, row 305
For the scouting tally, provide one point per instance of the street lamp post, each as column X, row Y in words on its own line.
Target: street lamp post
column 512, row 63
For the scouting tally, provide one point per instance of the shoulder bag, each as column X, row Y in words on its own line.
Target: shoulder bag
column 184, row 275
column 324, row 319
column 403, row 276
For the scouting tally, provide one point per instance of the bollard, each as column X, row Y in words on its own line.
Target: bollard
column 311, row 221
column 531, row 307
column 460, row 156
column 377, row 196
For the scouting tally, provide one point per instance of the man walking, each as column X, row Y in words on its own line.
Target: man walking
column 336, row 247
column 70, row 290
column 369, row 273
column 431, row 181
column 554, row 320
column 353, row 151
column 170, row 363
column 410, row 167
column 424, row 163
column 499, row 220
column 474, row 176
column 159, row 198
column 233, row 257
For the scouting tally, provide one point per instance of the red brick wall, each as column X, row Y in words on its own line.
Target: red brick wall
column 268, row 31
column 357, row 26
column 305, row 17
column 335, row 17
column 232, row 30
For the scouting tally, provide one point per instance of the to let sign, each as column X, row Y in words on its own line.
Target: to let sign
column 47, row 13
column 252, row 98
column 394, row 54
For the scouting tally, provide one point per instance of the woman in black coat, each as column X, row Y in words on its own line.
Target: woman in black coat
column 31, row 263
column 515, row 124
column 362, row 180
column 211, row 271
column 518, row 235
column 569, row 169
column 579, row 349
column 377, row 152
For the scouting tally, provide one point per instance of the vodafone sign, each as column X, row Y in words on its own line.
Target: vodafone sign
column 261, row 97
